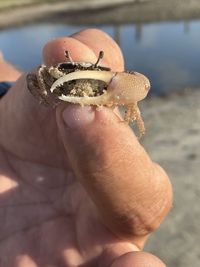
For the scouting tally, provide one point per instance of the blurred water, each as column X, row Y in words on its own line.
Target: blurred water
column 168, row 53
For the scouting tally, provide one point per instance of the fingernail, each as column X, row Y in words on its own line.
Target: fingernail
column 76, row 116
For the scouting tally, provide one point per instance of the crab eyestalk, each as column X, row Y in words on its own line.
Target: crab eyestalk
column 101, row 55
column 68, row 56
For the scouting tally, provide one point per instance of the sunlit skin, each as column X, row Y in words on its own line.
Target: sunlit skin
column 76, row 186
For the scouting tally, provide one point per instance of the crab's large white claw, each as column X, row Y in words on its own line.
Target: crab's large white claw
column 122, row 88
column 105, row 76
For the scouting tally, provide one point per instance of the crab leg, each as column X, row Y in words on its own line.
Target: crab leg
column 41, row 82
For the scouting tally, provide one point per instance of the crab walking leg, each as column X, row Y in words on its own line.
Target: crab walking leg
column 138, row 118
column 32, row 83
column 43, row 92
column 36, row 81
column 132, row 113
column 40, row 79
column 128, row 116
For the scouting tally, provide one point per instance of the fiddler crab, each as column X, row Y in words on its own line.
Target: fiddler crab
column 87, row 83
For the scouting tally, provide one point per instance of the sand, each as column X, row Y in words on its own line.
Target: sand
column 173, row 140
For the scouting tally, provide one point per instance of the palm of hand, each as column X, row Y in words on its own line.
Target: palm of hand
column 52, row 214
column 48, row 216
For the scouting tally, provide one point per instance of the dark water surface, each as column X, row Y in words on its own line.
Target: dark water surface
column 168, row 53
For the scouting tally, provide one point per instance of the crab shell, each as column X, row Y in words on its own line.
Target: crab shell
column 123, row 88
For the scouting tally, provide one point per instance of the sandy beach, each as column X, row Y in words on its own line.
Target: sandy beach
column 173, row 140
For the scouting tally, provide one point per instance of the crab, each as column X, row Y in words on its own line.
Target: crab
column 88, row 83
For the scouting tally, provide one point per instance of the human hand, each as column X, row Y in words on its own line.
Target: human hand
column 76, row 187
column 8, row 72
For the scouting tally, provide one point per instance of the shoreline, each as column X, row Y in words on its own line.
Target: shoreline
column 38, row 12
column 100, row 12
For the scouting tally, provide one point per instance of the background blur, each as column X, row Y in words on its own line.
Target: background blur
column 160, row 39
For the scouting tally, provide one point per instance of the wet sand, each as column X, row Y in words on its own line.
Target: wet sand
column 173, row 140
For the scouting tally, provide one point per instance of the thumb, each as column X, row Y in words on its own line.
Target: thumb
column 131, row 193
